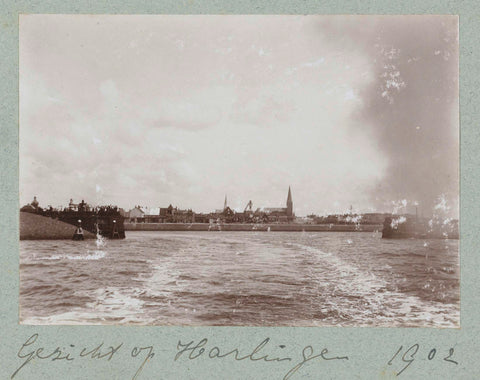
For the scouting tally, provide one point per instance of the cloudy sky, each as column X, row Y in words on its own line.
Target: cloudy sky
column 153, row 110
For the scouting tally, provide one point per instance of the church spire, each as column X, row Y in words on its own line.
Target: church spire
column 225, row 203
column 289, row 204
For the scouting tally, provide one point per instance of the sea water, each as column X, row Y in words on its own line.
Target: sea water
column 241, row 279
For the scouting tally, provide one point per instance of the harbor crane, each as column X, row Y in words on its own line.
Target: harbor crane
column 248, row 207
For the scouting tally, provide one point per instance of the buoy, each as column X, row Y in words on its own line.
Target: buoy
column 115, row 234
column 78, row 235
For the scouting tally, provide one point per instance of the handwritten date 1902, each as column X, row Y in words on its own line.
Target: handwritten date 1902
column 410, row 354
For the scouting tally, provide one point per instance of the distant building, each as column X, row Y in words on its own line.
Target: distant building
column 280, row 214
column 34, row 202
column 168, row 214
column 151, row 214
column 31, row 207
column 260, row 215
column 72, row 206
column 183, row 216
column 202, row 218
column 136, row 215
column 172, row 214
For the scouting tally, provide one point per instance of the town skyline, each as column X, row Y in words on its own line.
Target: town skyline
column 152, row 110
column 397, row 207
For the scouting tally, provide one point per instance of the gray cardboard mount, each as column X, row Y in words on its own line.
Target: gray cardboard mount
column 368, row 349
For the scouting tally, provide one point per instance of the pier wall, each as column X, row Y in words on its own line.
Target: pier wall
column 251, row 227
column 37, row 227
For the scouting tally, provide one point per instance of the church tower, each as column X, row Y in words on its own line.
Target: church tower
column 225, row 203
column 289, row 204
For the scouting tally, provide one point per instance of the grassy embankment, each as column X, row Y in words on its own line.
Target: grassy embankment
column 37, row 227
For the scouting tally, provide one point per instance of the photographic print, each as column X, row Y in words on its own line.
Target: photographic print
column 239, row 170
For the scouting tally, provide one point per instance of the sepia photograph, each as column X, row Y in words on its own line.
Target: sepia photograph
column 239, row 170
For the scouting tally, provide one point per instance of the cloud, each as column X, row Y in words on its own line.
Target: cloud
column 181, row 109
column 194, row 110
column 411, row 108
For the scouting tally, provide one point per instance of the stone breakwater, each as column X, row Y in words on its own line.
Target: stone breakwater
column 37, row 227
column 251, row 227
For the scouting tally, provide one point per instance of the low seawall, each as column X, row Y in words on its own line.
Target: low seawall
column 252, row 227
column 37, row 227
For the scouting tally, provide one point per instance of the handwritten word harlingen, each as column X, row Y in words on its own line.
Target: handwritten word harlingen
column 193, row 351
column 29, row 351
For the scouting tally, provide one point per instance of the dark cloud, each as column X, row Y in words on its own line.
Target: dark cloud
column 411, row 107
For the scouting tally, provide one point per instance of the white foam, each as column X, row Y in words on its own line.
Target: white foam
column 352, row 281
column 95, row 255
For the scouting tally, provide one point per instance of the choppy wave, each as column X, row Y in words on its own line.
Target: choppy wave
column 242, row 278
